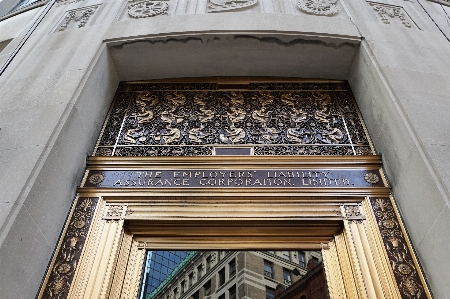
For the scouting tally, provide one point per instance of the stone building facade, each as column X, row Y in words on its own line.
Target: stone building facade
column 235, row 274
column 62, row 62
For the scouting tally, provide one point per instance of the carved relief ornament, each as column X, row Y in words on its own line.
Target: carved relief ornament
column 80, row 16
column 318, row 7
column 147, row 8
column 386, row 13
column 224, row 5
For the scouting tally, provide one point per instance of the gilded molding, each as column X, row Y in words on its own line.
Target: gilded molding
column 66, row 262
column 405, row 270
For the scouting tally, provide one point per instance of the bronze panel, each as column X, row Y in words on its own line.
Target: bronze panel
column 405, row 270
column 174, row 119
column 66, row 261
column 237, row 178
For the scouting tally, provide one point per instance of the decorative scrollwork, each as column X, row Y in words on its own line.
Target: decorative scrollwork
column 63, row 270
column 224, row 5
column 399, row 255
column 80, row 15
column 158, row 121
column 147, row 8
column 384, row 11
column 318, row 7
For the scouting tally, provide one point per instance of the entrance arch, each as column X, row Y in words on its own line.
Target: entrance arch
column 301, row 194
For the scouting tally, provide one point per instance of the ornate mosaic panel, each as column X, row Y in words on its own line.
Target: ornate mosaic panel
column 192, row 119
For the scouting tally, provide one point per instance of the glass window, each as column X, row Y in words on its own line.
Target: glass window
column 208, row 263
column 270, row 293
column 207, row 288
column 301, row 258
column 199, row 271
column 232, row 292
column 222, row 277
column 183, row 283
column 196, row 295
column 222, row 296
column 268, row 269
column 191, row 280
column 287, row 277
column 175, row 293
column 232, row 267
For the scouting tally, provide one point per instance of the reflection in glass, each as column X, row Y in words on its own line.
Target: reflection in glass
column 233, row 275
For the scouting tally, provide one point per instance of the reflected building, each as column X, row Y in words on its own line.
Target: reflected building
column 227, row 274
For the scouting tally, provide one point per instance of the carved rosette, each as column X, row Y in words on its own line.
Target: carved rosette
column 400, row 257
column 225, row 5
column 318, row 7
column 148, row 8
column 63, row 270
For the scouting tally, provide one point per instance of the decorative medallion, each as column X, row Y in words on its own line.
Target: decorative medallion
column 63, row 270
column 148, row 8
column 224, row 5
column 96, row 178
column 403, row 266
column 372, row 178
column 318, row 7
column 166, row 119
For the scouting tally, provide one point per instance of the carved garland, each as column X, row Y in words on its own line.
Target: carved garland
column 63, row 270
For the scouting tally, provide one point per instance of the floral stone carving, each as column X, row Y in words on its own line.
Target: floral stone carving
column 318, row 7
column 224, row 5
column 145, row 9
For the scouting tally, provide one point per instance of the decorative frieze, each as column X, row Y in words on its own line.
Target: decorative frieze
column 147, row 8
column 389, row 13
column 192, row 120
column 79, row 17
column 225, row 5
column 318, row 7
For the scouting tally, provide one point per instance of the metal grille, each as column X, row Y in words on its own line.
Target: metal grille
column 192, row 119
